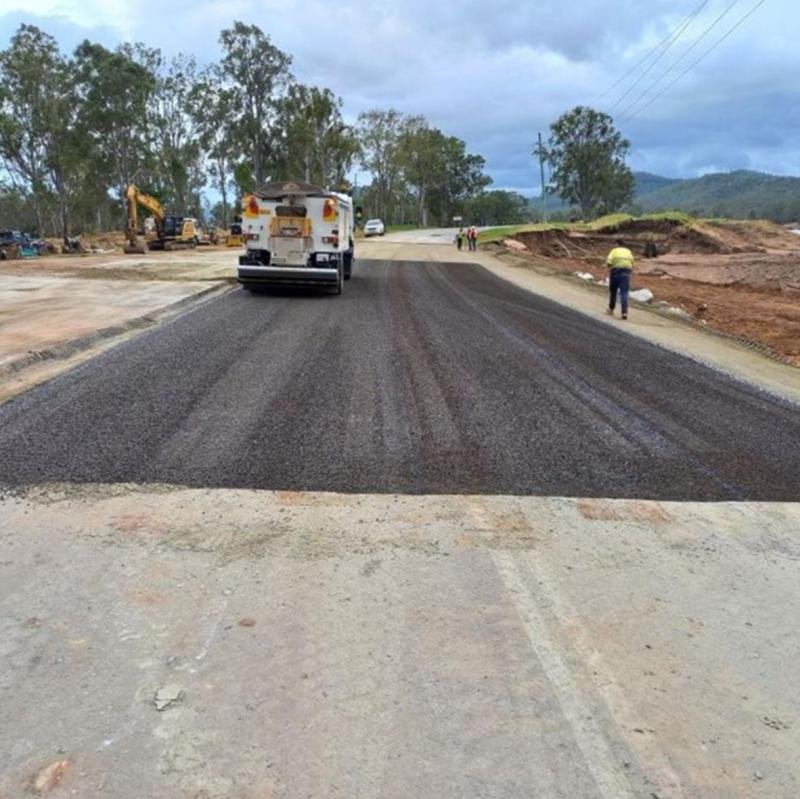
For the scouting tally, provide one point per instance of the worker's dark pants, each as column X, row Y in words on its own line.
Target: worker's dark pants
column 620, row 282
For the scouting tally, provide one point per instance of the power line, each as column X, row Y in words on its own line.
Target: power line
column 640, row 62
column 676, row 63
column 670, row 41
column 707, row 53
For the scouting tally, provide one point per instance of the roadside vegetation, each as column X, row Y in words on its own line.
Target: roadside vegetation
column 77, row 128
column 603, row 224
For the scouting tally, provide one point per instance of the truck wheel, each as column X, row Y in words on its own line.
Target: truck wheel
column 339, row 278
column 348, row 265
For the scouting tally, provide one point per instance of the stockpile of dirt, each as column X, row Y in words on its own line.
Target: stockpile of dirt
column 661, row 237
column 87, row 243
column 767, row 235
column 104, row 241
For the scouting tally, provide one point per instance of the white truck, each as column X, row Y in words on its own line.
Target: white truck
column 296, row 234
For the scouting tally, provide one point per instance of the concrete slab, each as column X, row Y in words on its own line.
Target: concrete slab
column 331, row 645
column 40, row 312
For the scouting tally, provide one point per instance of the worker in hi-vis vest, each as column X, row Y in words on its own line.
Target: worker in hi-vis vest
column 620, row 262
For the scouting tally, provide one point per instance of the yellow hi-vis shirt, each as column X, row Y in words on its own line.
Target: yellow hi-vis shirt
column 620, row 258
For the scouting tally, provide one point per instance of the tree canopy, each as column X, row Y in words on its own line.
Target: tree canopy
column 77, row 128
column 587, row 156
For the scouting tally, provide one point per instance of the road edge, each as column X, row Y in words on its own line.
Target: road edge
column 718, row 351
column 40, row 366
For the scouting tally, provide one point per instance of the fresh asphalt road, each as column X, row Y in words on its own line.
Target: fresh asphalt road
column 420, row 378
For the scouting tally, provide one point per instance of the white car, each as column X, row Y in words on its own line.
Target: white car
column 374, row 227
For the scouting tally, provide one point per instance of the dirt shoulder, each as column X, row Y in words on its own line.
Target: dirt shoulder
column 56, row 311
column 557, row 282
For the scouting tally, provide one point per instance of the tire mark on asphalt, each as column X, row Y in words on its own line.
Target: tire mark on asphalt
column 640, row 420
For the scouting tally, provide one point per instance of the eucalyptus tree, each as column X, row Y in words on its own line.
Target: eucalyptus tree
column 314, row 141
column 256, row 74
column 587, row 155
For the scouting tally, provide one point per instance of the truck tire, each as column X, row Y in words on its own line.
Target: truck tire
column 348, row 265
column 337, row 289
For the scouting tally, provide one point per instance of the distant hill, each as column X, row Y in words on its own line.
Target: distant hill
column 742, row 194
column 648, row 184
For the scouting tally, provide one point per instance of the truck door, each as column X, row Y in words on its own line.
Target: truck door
column 290, row 235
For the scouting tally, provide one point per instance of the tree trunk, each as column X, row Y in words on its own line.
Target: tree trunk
column 65, row 226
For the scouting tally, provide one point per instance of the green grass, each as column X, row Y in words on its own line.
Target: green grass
column 506, row 231
column 604, row 223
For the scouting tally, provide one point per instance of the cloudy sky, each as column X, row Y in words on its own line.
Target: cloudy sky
column 496, row 73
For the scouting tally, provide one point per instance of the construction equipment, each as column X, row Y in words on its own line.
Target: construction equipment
column 296, row 233
column 201, row 235
column 16, row 244
column 235, row 237
column 171, row 231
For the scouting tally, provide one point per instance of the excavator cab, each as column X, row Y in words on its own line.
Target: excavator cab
column 180, row 228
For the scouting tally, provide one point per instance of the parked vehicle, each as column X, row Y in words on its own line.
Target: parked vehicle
column 374, row 227
column 296, row 233
column 16, row 244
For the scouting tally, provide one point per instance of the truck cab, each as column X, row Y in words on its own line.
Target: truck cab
column 296, row 234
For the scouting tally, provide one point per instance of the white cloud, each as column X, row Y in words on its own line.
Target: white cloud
column 120, row 15
column 494, row 74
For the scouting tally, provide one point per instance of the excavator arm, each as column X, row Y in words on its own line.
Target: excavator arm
column 135, row 198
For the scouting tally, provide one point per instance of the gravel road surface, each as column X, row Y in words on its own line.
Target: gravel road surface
column 421, row 378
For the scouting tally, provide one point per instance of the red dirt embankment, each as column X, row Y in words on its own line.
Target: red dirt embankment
column 746, row 274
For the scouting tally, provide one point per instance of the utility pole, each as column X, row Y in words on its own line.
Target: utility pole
column 541, row 153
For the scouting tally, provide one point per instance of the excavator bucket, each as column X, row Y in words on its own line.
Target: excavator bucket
column 136, row 247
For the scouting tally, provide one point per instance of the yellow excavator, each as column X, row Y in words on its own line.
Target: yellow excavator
column 172, row 232
column 235, row 237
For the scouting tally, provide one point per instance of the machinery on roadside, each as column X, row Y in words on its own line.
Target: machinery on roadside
column 15, row 244
column 171, row 231
column 235, row 237
column 296, row 233
column 204, row 237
